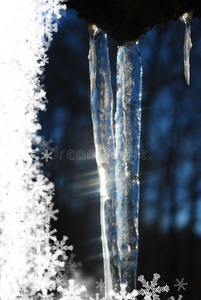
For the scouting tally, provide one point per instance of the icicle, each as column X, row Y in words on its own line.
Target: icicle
column 102, row 117
column 186, row 18
column 128, row 127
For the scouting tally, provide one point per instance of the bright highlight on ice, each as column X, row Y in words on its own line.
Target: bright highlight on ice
column 102, row 116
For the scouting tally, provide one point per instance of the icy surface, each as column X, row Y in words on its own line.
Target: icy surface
column 117, row 157
column 186, row 18
column 102, row 117
column 128, row 128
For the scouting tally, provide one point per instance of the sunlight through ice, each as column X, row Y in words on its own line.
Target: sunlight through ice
column 117, row 156
column 102, row 117
column 186, row 18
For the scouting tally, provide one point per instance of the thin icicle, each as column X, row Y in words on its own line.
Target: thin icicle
column 102, row 117
column 186, row 18
column 128, row 128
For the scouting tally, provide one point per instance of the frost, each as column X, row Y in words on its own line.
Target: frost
column 186, row 18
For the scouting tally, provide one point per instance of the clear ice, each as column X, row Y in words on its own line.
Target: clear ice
column 128, row 129
column 117, row 156
column 186, row 18
column 102, row 118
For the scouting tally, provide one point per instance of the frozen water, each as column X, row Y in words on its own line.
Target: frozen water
column 128, row 128
column 117, row 156
column 102, row 117
column 186, row 18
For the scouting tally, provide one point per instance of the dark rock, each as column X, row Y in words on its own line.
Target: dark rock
column 127, row 20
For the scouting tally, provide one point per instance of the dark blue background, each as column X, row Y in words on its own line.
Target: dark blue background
column 170, row 174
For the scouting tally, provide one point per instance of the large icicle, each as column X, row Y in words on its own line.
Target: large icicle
column 102, row 117
column 128, row 127
column 186, row 18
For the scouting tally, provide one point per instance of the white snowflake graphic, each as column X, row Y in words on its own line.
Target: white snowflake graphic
column 46, row 155
column 123, row 295
column 151, row 291
column 97, row 297
column 50, row 213
column 173, row 298
column 51, row 192
column 61, row 245
column 71, row 265
column 100, row 285
column 41, row 95
column 73, row 292
column 44, row 60
column 180, row 284
column 25, row 202
column 46, row 145
column 45, row 297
